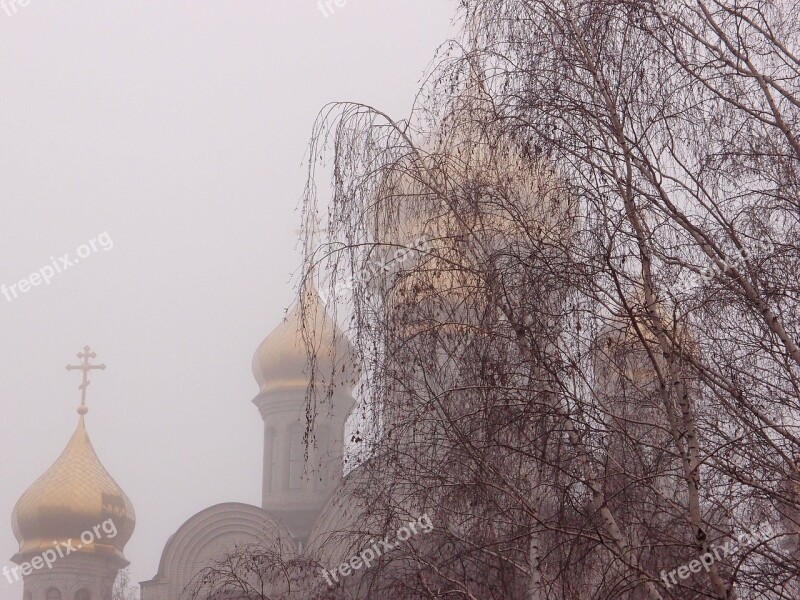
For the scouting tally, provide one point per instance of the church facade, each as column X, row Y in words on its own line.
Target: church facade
column 297, row 490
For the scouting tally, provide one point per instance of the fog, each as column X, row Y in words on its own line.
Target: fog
column 161, row 144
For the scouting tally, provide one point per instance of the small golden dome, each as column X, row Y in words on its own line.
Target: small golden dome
column 281, row 361
column 76, row 496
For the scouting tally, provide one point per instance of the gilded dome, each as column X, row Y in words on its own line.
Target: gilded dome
column 75, row 496
column 281, row 361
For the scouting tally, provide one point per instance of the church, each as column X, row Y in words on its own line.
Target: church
column 74, row 521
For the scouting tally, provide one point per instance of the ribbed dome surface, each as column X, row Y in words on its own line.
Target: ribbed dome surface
column 281, row 361
column 74, row 496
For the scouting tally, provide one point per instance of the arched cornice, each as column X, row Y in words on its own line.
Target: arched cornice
column 227, row 524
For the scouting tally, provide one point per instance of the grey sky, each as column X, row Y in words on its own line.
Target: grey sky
column 178, row 128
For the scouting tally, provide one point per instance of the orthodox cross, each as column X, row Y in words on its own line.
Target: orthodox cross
column 86, row 356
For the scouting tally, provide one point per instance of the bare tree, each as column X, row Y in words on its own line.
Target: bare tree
column 572, row 283
column 258, row 572
column 124, row 589
column 609, row 360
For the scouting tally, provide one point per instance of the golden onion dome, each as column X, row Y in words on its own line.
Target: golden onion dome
column 76, row 496
column 281, row 361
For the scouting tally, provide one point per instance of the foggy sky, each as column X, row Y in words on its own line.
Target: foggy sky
column 178, row 129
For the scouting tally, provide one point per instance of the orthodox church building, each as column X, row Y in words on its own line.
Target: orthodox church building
column 76, row 496
column 297, row 491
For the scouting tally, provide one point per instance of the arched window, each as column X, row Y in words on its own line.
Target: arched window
column 271, row 460
column 323, row 466
column 82, row 595
column 297, row 455
column 52, row 594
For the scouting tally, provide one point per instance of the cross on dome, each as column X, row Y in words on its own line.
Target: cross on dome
column 86, row 356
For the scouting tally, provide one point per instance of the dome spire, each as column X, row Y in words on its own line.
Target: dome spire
column 86, row 356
